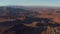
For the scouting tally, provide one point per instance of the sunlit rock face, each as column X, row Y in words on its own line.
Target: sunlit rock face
column 29, row 20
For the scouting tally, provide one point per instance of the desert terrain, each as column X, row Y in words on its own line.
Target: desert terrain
column 9, row 14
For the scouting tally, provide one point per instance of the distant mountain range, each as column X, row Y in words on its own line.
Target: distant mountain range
column 17, row 6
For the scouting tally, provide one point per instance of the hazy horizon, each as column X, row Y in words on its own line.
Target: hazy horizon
column 54, row 3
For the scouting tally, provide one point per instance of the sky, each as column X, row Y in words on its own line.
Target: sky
column 31, row 2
